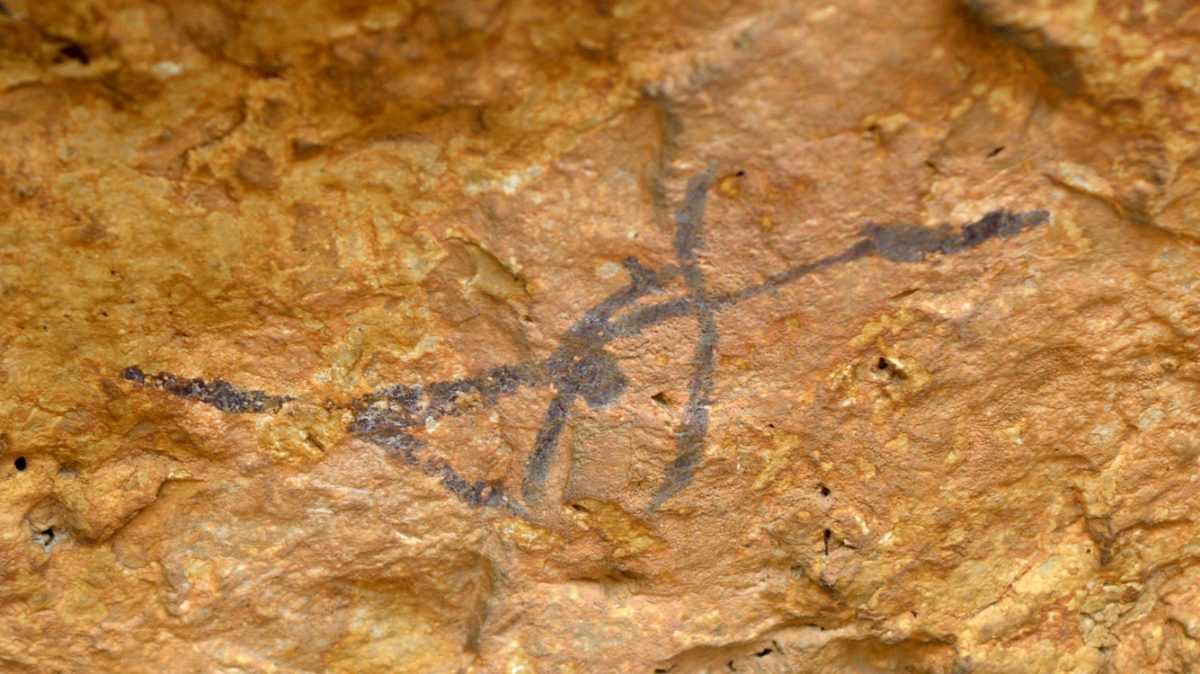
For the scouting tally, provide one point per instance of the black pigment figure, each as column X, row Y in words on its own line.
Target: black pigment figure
column 581, row 370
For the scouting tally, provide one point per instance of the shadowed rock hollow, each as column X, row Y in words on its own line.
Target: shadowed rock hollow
column 617, row 336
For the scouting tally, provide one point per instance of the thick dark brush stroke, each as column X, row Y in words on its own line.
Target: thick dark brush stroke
column 689, row 441
column 580, row 368
column 219, row 393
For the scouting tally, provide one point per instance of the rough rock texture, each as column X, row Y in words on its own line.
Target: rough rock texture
column 611, row 336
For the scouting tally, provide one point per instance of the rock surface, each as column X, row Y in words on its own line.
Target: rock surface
column 614, row 336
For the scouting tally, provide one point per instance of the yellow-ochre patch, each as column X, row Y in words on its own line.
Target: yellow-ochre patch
column 397, row 331
column 389, row 631
column 901, row 375
column 897, row 445
column 302, row 433
column 729, row 186
column 628, row 535
column 529, row 537
column 775, row 455
column 494, row 278
column 892, row 324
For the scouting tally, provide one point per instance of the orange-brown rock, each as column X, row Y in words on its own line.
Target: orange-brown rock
column 617, row 336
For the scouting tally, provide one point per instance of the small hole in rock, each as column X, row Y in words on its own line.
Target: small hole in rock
column 660, row 398
column 741, row 174
column 882, row 364
column 996, row 151
column 19, row 463
column 72, row 52
column 828, row 535
column 302, row 149
column 763, row 653
column 45, row 538
column 824, row 490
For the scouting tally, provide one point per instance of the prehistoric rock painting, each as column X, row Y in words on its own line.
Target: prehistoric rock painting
column 581, row 370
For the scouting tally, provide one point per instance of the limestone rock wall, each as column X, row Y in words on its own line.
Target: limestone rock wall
column 614, row 336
